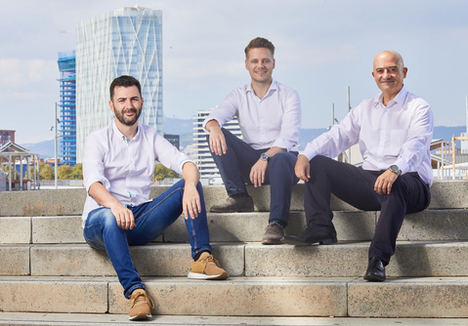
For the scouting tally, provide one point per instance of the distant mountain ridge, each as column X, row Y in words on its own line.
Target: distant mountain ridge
column 184, row 128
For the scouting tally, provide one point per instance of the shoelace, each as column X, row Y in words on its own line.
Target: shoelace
column 211, row 259
column 144, row 296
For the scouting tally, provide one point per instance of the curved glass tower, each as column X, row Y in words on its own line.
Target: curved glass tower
column 126, row 41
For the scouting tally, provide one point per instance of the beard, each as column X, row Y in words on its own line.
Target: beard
column 128, row 122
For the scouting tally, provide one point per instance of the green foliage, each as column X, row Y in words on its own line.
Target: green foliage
column 77, row 171
column 161, row 172
column 47, row 172
column 64, row 172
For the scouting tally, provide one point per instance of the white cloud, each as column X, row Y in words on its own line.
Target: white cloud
column 19, row 75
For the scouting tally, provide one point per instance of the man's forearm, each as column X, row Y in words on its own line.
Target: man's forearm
column 190, row 174
column 212, row 124
column 102, row 196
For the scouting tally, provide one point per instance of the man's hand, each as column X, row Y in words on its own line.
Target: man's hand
column 123, row 216
column 217, row 139
column 383, row 184
column 302, row 168
column 191, row 202
column 257, row 173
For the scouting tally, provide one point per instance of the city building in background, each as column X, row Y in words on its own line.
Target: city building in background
column 204, row 161
column 7, row 136
column 67, row 108
column 173, row 139
column 126, row 41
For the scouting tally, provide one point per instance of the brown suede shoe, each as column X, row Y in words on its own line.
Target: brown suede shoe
column 140, row 305
column 206, row 268
column 233, row 205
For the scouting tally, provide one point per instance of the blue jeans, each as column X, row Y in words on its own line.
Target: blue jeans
column 235, row 165
column 151, row 219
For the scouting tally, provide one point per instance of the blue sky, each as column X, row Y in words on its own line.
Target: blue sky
column 322, row 46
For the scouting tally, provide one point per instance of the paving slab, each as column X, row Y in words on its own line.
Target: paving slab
column 15, row 229
column 412, row 258
column 153, row 259
column 423, row 297
column 58, row 229
column 241, row 297
column 14, row 260
column 435, row 224
column 60, row 319
column 52, row 295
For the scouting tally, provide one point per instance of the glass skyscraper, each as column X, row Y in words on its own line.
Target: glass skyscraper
column 67, row 108
column 126, row 41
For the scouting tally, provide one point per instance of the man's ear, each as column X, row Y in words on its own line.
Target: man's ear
column 405, row 71
column 111, row 105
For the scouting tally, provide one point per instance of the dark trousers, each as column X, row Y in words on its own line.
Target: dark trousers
column 355, row 186
column 235, row 165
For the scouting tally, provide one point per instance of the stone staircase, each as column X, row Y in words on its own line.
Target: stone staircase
column 45, row 265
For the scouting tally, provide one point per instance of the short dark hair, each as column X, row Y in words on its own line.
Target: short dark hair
column 259, row 42
column 124, row 81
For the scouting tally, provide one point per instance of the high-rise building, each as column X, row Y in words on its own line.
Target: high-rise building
column 204, row 161
column 67, row 108
column 126, row 41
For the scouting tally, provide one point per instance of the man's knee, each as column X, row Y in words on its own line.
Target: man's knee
column 282, row 160
column 319, row 162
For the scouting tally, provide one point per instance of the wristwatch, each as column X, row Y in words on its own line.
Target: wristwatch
column 395, row 169
column 264, row 157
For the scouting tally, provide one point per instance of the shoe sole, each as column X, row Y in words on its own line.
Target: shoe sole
column 300, row 243
column 272, row 242
column 140, row 317
column 199, row 276
column 373, row 278
column 232, row 210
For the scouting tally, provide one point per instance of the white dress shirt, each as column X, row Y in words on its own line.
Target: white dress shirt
column 126, row 167
column 399, row 133
column 271, row 121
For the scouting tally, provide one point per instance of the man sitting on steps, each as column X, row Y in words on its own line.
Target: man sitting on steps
column 394, row 132
column 118, row 167
column 269, row 116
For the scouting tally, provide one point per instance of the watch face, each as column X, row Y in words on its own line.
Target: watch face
column 264, row 156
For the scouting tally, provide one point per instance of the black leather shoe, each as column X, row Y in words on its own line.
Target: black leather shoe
column 308, row 237
column 375, row 271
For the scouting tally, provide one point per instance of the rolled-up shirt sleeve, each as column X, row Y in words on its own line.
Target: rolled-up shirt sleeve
column 339, row 138
column 169, row 155
column 226, row 111
column 418, row 142
column 93, row 163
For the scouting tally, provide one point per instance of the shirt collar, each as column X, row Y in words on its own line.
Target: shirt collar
column 122, row 136
column 273, row 87
column 400, row 98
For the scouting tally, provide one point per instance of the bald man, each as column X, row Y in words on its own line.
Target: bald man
column 394, row 132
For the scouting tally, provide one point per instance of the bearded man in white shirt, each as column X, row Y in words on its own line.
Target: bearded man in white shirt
column 269, row 117
column 118, row 168
column 394, row 132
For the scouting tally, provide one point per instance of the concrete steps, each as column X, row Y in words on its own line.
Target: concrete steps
column 46, row 267
column 244, row 296
column 429, row 225
column 73, row 319
column 445, row 195
column 346, row 259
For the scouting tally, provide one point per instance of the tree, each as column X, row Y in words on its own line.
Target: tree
column 77, row 171
column 161, row 172
column 64, row 172
column 47, row 172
